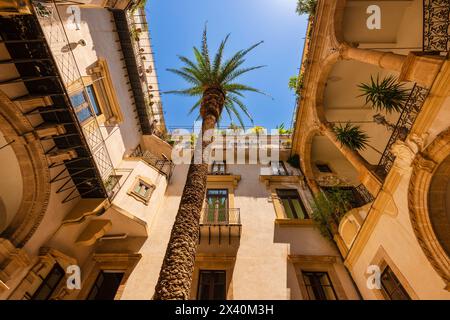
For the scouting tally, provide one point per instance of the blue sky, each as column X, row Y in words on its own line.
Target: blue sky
column 177, row 25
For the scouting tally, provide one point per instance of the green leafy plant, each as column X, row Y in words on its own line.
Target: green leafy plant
column 306, row 7
column 296, row 83
column 387, row 94
column 328, row 209
column 351, row 136
column 294, row 161
column 258, row 130
column 282, row 130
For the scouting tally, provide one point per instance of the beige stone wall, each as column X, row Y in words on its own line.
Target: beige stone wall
column 261, row 268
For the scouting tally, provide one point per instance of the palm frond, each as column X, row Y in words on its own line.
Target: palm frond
column 386, row 94
column 351, row 136
column 220, row 74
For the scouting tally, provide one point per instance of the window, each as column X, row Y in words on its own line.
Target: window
column 391, row 287
column 319, row 286
column 211, row 285
column 49, row 284
column 106, row 99
column 105, row 286
column 93, row 100
column 142, row 190
column 216, row 205
column 278, row 168
column 293, row 206
column 219, row 167
column 80, row 103
column 324, row 168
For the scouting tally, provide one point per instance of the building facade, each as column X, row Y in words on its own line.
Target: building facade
column 89, row 179
column 80, row 109
column 402, row 228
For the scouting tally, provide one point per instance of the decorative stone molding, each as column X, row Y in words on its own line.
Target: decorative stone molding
column 34, row 169
column 424, row 167
column 117, row 262
column 405, row 152
column 12, row 262
column 318, row 263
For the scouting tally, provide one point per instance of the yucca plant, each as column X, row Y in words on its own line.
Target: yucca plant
column 351, row 136
column 387, row 94
column 213, row 82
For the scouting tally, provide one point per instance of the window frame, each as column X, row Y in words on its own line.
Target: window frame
column 216, row 165
column 216, row 215
column 318, row 165
column 211, row 292
column 95, row 284
column 321, row 286
column 138, row 196
column 53, row 289
column 292, row 207
column 398, row 285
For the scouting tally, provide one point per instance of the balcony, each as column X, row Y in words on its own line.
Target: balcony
column 220, row 230
column 355, row 197
column 404, row 124
column 161, row 164
column 436, row 26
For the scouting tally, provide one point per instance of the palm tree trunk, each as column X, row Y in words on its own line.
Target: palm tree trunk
column 175, row 277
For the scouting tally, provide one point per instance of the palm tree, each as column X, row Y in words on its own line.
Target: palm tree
column 351, row 136
column 387, row 94
column 214, row 82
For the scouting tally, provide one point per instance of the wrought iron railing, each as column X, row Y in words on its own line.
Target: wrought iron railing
column 403, row 127
column 364, row 195
column 220, row 216
column 62, row 50
column 436, row 25
column 351, row 197
column 163, row 165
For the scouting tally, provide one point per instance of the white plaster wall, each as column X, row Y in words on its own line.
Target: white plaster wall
column 142, row 281
column 261, row 270
column 97, row 29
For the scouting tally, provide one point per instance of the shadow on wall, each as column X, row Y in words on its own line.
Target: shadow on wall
column 3, row 216
column 302, row 241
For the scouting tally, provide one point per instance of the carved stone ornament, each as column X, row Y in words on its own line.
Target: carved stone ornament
column 405, row 152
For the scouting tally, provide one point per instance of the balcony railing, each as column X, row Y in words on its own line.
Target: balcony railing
column 402, row 128
column 436, row 25
column 355, row 197
column 220, row 216
column 164, row 166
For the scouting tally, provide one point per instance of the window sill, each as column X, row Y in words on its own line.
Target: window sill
column 294, row 222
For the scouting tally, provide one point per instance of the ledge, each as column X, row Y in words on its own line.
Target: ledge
column 295, row 222
column 268, row 179
column 224, row 178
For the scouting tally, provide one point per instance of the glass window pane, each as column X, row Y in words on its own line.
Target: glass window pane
column 93, row 98
column 287, row 208
column 77, row 99
column 83, row 114
column 106, row 286
column 298, row 209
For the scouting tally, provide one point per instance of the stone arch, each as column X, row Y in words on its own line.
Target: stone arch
column 423, row 200
column 34, row 169
column 326, row 66
column 305, row 152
